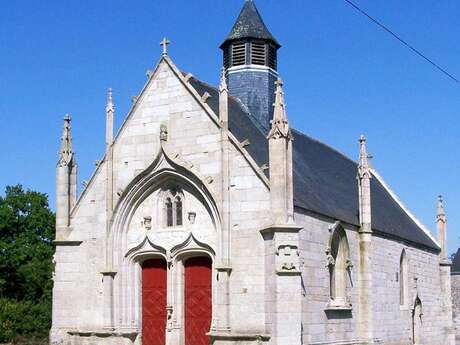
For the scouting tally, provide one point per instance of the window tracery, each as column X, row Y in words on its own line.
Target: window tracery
column 173, row 200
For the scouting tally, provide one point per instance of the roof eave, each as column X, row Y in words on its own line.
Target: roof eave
column 230, row 40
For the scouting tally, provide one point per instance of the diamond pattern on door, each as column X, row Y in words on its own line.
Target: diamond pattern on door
column 153, row 302
column 198, row 301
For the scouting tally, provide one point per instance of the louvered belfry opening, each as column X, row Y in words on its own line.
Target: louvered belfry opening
column 250, row 52
column 250, row 62
column 258, row 53
column 238, row 53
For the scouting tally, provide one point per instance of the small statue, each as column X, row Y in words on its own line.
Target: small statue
column 163, row 132
column 148, row 222
column 330, row 261
column 349, row 264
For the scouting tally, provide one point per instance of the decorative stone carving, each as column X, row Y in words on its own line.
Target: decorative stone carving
column 187, row 77
column 147, row 223
column 205, row 97
column 245, row 143
column 349, row 265
column 192, row 217
column 330, row 261
column 288, row 257
column 169, row 318
column 163, row 132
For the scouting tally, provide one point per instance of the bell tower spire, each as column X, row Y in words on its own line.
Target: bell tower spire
column 250, row 60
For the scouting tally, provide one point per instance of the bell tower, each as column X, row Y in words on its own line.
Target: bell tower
column 250, row 60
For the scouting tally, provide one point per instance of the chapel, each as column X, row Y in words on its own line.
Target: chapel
column 211, row 220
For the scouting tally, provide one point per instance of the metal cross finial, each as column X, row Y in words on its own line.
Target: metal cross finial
column 164, row 43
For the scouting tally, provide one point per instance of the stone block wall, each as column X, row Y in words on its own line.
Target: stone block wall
column 422, row 265
column 392, row 323
column 319, row 325
column 455, row 281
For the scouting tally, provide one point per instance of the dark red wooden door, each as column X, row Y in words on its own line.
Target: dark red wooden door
column 153, row 302
column 198, row 301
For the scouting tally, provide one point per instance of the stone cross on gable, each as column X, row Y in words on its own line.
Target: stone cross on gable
column 164, row 43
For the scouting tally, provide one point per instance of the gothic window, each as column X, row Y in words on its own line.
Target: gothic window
column 339, row 265
column 178, row 207
column 169, row 212
column 402, row 278
column 173, row 207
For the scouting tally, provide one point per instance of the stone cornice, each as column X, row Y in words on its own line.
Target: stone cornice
column 290, row 228
column 238, row 336
column 103, row 333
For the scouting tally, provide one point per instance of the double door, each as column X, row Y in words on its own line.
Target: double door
column 197, row 301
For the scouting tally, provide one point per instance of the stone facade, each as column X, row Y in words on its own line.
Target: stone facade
column 280, row 275
column 455, row 280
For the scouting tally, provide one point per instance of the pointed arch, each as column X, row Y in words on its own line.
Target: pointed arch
column 145, row 249
column 417, row 324
column 172, row 205
column 403, row 269
column 165, row 170
column 339, row 265
column 191, row 246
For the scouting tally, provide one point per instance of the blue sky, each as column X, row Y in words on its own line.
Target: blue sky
column 343, row 76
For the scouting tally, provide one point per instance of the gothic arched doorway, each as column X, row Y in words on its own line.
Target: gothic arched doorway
column 153, row 302
column 198, row 300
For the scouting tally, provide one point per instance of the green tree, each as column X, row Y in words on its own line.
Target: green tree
column 26, row 252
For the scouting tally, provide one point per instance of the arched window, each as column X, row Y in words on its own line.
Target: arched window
column 402, row 278
column 178, row 209
column 173, row 207
column 339, row 265
column 169, row 212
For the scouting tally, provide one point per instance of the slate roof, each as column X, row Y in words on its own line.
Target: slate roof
column 324, row 179
column 249, row 25
column 456, row 263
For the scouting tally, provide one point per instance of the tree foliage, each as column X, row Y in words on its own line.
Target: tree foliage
column 26, row 252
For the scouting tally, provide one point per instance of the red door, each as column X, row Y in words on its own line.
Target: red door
column 198, row 303
column 153, row 302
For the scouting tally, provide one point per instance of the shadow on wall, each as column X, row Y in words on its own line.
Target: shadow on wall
column 338, row 314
